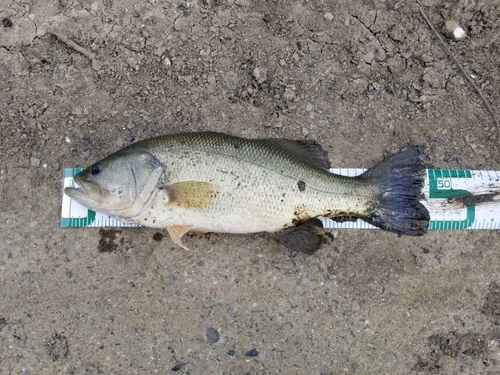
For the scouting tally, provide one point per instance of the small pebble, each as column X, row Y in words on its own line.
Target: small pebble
column 442, row 259
column 132, row 62
column 453, row 30
column 231, row 352
column 34, row 162
column 328, row 16
column 252, row 353
column 167, row 63
column 260, row 75
column 6, row 22
column 182, row 24
column 289, row 94
column 212, row 335
column 309, row 107
column 177, row 367
column 129, row 139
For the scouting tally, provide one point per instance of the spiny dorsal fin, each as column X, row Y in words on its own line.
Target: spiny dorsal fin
column 308, row 151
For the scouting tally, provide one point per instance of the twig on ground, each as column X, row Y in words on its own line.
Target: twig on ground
column 73, row 45
column 469, row 79
column 326, row 72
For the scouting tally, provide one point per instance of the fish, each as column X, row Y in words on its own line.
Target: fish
column 216, row 182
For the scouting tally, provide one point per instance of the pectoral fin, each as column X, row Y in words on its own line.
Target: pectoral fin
column 191, row 194
column 176, row 232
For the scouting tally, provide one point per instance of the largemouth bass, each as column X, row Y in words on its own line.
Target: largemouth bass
column 213, row 182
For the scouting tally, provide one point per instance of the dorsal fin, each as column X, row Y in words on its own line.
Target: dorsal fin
column 308, row 151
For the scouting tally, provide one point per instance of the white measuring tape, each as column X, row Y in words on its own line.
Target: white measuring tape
column 455, row 198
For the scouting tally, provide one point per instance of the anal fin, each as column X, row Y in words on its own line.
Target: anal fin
column 176, row 232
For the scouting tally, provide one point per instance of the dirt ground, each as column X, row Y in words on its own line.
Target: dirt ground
column 362, row 78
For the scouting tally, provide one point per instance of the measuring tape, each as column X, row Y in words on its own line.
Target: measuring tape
column 455, row 198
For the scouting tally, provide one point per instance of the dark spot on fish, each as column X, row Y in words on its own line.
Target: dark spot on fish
column 236, row 146
column 6, row 22
column 302, row 185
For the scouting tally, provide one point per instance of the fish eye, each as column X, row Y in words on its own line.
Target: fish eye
column 96, row 168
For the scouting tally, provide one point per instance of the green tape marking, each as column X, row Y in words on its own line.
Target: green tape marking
column 441, row 186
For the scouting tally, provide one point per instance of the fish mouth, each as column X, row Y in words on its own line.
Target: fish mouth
column 81, row 195
column 75, row 192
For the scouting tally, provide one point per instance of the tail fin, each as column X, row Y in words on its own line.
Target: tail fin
column 398, row 182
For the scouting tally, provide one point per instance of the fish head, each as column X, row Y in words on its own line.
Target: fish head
column 119, row 185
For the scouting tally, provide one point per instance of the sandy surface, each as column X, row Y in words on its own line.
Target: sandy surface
column 363, row 79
